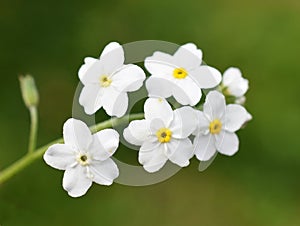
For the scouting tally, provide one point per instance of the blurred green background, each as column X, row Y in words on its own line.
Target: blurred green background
column 258, row 186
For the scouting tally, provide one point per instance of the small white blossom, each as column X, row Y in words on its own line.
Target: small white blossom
column 84, row 157
column 217, row 125
column 234, row 84
column 162, row 135
column 180, row 75
column 107, row 80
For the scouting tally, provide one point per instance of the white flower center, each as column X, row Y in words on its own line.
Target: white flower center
column 105, row 81
column 164, row 135
column 215, row 126
column 83, row 159
column 180, row 73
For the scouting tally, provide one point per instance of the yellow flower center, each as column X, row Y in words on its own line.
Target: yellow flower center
column 105, row 81
column 180, row 73
column 215, row 126
column 164, row 135
column 83, row 160
column 160, row 100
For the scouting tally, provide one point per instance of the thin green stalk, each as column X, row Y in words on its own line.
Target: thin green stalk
column 26, row 160
column 33, row 129
column 23, row 162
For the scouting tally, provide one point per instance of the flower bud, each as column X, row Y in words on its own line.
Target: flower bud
column 29, row 91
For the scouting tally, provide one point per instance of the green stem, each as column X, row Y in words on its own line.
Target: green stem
column 23, row 162
column 33, row 129
column 26, row 160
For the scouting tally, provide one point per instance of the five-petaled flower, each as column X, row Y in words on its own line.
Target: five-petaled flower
column 107, row 80
column 163, row 134
column 217, row 125
column 84, row 157
column 180, row 75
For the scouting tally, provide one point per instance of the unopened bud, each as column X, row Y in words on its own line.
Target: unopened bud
column 29, row 91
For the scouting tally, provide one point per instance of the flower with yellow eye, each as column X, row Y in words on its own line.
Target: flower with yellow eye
column 84, row 157
column 163, row 134
column 180, row 75
column 107, row 80
column 217, row 125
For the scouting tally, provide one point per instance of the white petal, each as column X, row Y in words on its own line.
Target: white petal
column 158, row 108
column 88, row 62
column 77, row 134
column 249, row 117
column 90, row 98
column 206, row 77
column 59, row 156
column 202, row 123
column 236, row 84
column 104, row 172
column 160, row 63
column 184, row 122
column 181, row 151
column 105, row 143
column 235, row 116
column 112, row 57
column 230, row 75
column 76, row 181
column 188, row 56
column 155, row 125
column 129, row 78
column 137, row 132
column 159, row 87
column 112, row 46
column 93, row 73
column 227, row 143
column 150, row 144
column 186, row 91
column 215, row 105
column 205, row 147
column 115, row 103
column 238, row 88
column 153, row 160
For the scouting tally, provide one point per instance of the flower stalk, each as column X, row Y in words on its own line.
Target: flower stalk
column 33, row 129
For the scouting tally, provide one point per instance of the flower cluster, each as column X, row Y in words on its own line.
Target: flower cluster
column 166, row 133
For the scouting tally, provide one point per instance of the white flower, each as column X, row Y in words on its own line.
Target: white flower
column 84, row 157
column 163, row 134
column 217, row 125
column 107, row 80
column 234, row 84
column 180, row 75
